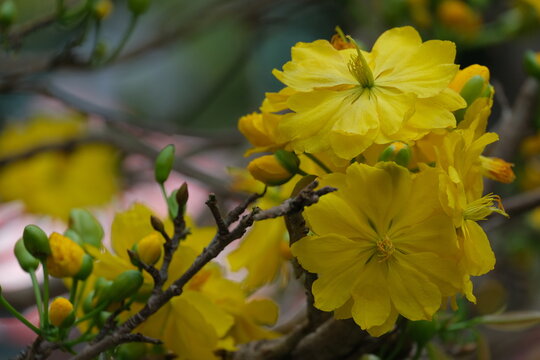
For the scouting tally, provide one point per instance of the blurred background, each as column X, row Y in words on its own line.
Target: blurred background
column 87, row 101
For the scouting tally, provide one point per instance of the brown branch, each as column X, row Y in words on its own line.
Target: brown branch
column 306, row 197
column 514, row 206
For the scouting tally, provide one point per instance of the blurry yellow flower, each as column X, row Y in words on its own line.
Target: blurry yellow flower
column 59, row 310
column 535, row 4
column 103, row 8
column 531, row 146
column 66, row 256
column 458, row 16
column 345, row 100
column 420, row 14
column 382, row 246
column 54, row 182
column 194, row 324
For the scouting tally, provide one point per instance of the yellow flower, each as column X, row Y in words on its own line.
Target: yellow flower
column 260, row 129
column 382, row 246
column 419, row 10
column 103, row 8
column 194, row 324
column 66, row 256
column 59, row 311
column 54, row 182
column 497, row 169
column 458, row 16
column 345, row 100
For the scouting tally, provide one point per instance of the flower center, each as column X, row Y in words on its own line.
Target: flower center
column 359, row 67
column 385, row 248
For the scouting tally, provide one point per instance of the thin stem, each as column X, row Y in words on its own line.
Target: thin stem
column 18, row 315
column 318, row 162
column 91, row 314
column 45, row 324
column 125, row 38
column 73, row 291
column 37, row 294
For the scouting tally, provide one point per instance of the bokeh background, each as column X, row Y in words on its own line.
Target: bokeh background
column 79, row 129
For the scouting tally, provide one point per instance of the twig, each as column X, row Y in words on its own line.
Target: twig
column 306, row 197
column 234, row 214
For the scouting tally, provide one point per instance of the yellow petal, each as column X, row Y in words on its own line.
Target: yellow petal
column 387, row 326
column 479, row 258
column 129, row 227
column 213, row 315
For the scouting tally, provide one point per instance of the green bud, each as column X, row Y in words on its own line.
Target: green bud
column 26, row 261
column 86, row 268
column 398, row 152
column 472, row 89
column 86, row 226
column 36, row 242
column 531, row 61
column 102, row 288
column 288, row 160
column 164, row 163
column 125, row 285
column 102, row 317
column 138, row 7
column 8, row 14
column 131, row 351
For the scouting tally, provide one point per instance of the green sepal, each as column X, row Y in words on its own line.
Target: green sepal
column 399, row 156
column 472, row 89
column 288, row 160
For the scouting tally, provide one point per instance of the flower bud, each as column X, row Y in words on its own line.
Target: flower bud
column 26, row 261
column 164, row 163
column 101, row 287
column 36, row 242
column 66, row 259
column 86, row 226
column 138, row 7
column 73, row 235
column 88, row 302
column 288, row 160
column 182, row 196
column 149, row 248
column 459, row 16
column 471, row 83
column 532, row 64
column 497, row 169
column 269, row 170
column 61, row 312
column 398, row 152
column 125, row 285
column 8, row 14
column 86, row 268
column 157, row 224
column 102, row 9
column 102, row 318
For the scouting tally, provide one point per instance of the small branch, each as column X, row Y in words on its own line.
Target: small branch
column 223, row 229
column 234, row 214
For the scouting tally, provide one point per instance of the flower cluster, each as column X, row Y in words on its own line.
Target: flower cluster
column 400, row 132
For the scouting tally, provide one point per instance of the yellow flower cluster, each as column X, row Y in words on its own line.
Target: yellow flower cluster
column 400, row 132
column 54, row 182
column 212, row 313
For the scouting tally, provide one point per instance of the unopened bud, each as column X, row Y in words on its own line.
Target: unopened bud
column 36, row 242
column 86, row 268
column 102, row 288
column 269, row 170
column 102, row 9
column 157, row 224
column 102, row 318
column 138, row 7
column 149, row 248
column 26, row 261
column 86, row 226
column 398, row 152
column 125, row 285
column 8, row 14
column 66, row 259
column 532, row 64
column 131, row 351
column 497, row 169
column 164, row 163
column 182, row 195
column 61, row 312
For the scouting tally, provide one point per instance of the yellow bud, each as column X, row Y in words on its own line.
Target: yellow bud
column 66, row 257
column 103, row 8
column 61, row 312
column 253, row 127
column 497, row 169
column 459, row 16
column 398, row 152
column 269, row 170
column 149, row 248
column 464, row 75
